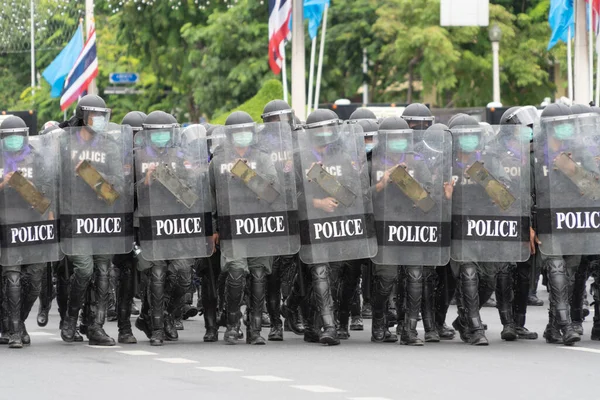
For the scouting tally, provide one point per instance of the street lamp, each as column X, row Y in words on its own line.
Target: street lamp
column 495, row 34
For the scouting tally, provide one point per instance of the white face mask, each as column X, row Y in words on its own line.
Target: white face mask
column 98, row 123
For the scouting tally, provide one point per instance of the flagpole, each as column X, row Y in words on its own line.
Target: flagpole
column 89, row 20
column 321, row 52
column 569, row 65
column 298, row 60
column 32, row 49
column 591, row 51
column 311, row 74
column 284, row 75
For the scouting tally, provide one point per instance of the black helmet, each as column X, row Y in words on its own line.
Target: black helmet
column 135, row 119
column 159, row 129
column 369, row 126
column 467, row 133
column 395, row 135
column 13, row 132
column 362, row 113
column 454, row 117
column 506, row 118
column 418, row 116
column 555, row 110
column 581, row 109
column 323, row 125
column 279, row 111
column 91, row 110
column 240, row 129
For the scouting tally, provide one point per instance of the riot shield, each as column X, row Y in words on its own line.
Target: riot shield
column 96, row 191
column 29, row 202
column 409, row 172
column 173, row 192
column 567, row 184
column 334, row 198
column 256, row 192
column 491, row 199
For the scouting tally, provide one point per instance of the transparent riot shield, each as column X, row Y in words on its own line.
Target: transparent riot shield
column 29, row 202
column 173, row 192
column 96, row 191
column 334, row 198
column 567, row 155
column 411, row 179
column 256, row 191
column 491, row 197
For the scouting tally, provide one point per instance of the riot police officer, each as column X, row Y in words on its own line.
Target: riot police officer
column 95, row 181
column 520, row 278
column 284, row 266
column 28, row 198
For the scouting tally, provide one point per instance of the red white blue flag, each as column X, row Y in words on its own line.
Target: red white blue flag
column 82, row 73
column 280, row 12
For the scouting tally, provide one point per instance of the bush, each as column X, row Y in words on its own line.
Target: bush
column 271, row 90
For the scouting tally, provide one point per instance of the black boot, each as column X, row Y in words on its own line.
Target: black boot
column 124, row 302
column 558, row 285
column 469, row 302
column 274, row 306
column 413, row 291
column 343, row 332
column 291, row 307
column 444, row 291
column 170, row 330
column 111, row 307
column 209, row 303
column 552, row 332
column 30, row 291
column 234, row 293
column 258, row 288
column 595, row 289
column 381, row 289
column 96, row 334
column 428, row 305
column 156, row 301
column 522, row 332
column 13, row 307
column 504, row 299
column 45, row 297
column 76, row 294
column 356, row 321
column 324, row 303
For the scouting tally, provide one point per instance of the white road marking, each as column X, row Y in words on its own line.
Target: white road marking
column 318, row 389
column 176, row 360
column 368, row 398
column 38, row 333
column 137, row 353
column 581, row 349
column 103, row 347
column 220, row 369
column 267, row 378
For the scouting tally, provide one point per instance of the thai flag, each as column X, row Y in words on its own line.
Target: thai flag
column 82, row 73
column 280, row 12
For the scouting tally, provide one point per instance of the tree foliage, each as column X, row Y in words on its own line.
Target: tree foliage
column 205, row 61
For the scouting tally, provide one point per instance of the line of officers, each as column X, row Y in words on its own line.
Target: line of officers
column 292, row 215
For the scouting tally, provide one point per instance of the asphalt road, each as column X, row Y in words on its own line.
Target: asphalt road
column 292, row 369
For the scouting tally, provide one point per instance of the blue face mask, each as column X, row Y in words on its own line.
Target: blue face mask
column 160, row 139
column 468, row 143
column 98, row 123
column 13, row 143
column 526, row 134
column 564, row 131
column 242, row 139
column 369, row 147
column 398, row 145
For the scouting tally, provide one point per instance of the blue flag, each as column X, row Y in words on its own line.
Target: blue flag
column 58, row 70
column 313, row 12
column 561, row 17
